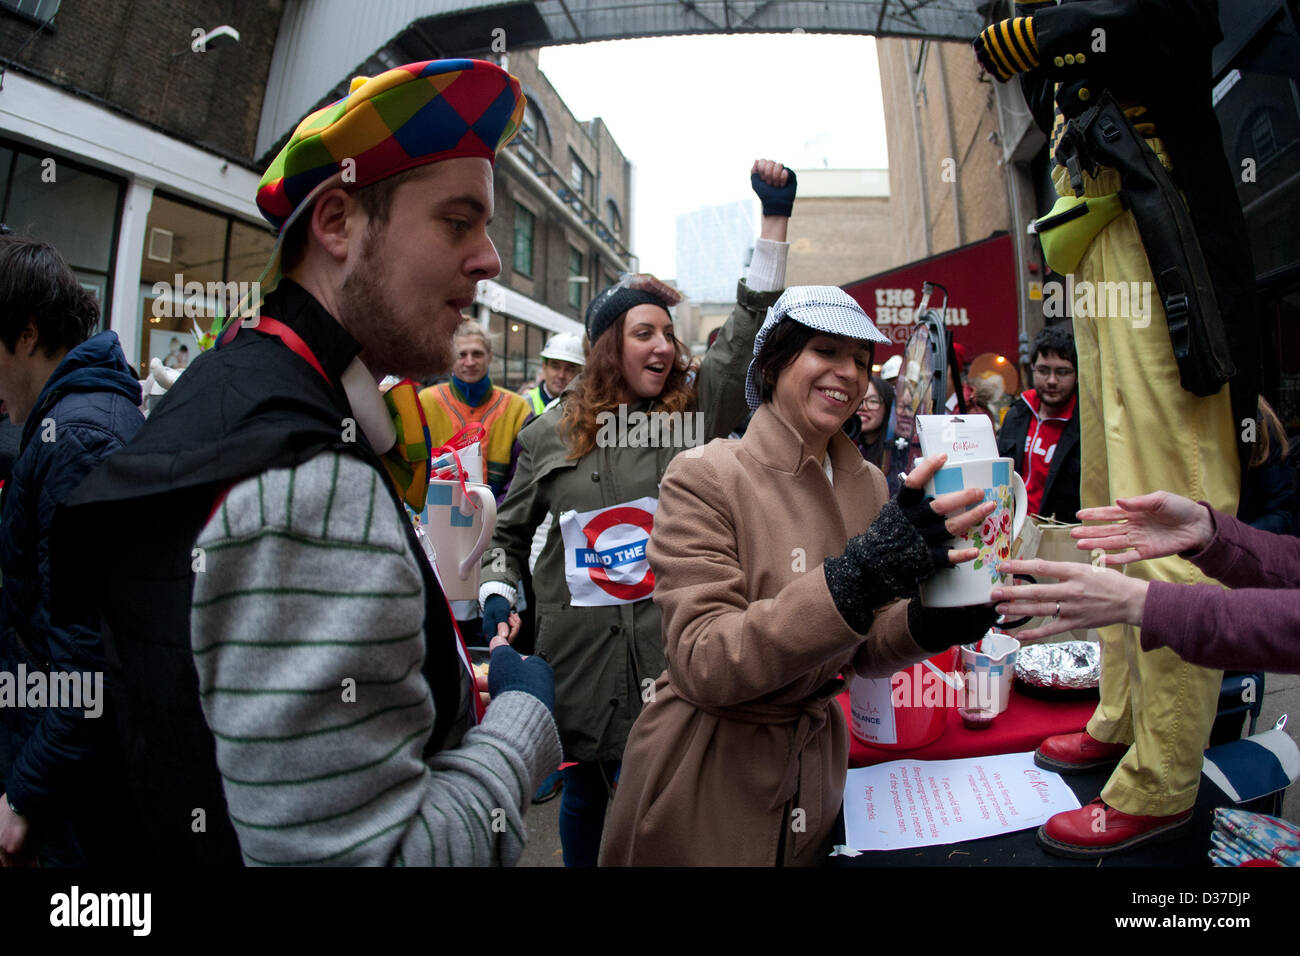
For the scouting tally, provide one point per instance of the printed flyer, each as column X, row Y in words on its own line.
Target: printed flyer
column 910, row 803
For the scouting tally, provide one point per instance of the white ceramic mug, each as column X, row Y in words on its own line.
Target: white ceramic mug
column 459, row 533
column 973, row 581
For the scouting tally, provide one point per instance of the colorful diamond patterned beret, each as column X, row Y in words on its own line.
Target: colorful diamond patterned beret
column 405, row 117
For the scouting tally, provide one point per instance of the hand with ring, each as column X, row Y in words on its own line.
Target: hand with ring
column 1084, row 596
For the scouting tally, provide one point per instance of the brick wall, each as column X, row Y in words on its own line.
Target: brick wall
column 120, row 54
column 965, row 190
column 834, row 240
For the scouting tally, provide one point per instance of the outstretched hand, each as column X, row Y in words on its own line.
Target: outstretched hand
column 1084, row 596
column 1153, row 526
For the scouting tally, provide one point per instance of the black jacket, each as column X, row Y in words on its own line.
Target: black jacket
column 1268, row 496
column 246, row 407
column 1061, row 493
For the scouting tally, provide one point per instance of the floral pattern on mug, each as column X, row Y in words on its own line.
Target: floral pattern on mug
column 993, row 537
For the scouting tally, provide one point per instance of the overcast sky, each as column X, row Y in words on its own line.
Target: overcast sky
column 693, row 113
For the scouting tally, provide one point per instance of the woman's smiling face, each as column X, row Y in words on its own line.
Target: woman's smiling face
column 823, row 386
column 649, row 351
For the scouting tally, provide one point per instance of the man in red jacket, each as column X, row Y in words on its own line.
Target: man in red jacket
column 1041, row 431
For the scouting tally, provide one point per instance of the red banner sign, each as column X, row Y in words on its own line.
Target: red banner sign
column 981, row 282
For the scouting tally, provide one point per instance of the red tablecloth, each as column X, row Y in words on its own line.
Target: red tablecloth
column 1021, row 727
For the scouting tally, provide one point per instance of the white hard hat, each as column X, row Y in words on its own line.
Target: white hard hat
column 889, row 371
column 564, row 347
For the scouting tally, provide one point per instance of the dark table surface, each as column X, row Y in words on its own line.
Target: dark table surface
column 1022, row 849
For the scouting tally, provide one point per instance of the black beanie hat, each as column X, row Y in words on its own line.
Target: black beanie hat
column 612, row 303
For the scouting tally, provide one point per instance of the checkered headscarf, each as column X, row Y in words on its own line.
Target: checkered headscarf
column 825, row 308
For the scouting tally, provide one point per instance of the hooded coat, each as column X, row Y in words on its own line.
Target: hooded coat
column 86, row 411
column 739, row 756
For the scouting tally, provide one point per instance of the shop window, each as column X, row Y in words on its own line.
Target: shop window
column 196, row 268
column 516, row 354
column 533, row 364
column 496, row 325
column 250, row 251
column 72, row 208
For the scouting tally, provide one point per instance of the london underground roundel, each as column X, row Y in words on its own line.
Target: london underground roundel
column 605, row 560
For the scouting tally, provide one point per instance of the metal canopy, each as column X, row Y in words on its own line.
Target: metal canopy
column 576, row 21
column 461, row 27
column 323, row 43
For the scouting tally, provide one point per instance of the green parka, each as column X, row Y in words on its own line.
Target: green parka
column 605, row 658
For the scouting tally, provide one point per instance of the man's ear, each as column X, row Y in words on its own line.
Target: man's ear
column 28, row 340
column 336, row 219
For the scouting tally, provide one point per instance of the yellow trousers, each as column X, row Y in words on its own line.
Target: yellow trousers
column 1141, row 432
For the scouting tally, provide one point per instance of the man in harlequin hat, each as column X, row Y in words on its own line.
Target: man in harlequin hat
column 1147, row 203
column 293, row 688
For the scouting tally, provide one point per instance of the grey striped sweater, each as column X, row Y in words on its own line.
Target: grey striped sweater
column 307, row 636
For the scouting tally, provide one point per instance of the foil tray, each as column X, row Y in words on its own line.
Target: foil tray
column 1071, row 665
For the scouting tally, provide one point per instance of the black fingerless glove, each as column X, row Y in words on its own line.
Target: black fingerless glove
column 915, row 505
column 939, row 628
column 902, row 547
column 496, row 610
column 776, row 200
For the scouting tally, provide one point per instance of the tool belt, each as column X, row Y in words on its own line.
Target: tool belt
column 1103, row 136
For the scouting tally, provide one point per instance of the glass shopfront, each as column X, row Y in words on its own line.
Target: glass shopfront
column 517, row 360
column 72, row 207
column 197, row 265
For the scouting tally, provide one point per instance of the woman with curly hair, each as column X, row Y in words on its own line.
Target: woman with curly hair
column 592, row 462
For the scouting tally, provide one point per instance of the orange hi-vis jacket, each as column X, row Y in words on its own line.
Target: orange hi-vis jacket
column 502, row 414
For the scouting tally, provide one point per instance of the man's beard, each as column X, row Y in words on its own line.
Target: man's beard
column 374, row 320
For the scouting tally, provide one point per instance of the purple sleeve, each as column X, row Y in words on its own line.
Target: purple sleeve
column 1241, row 555
column 1246, row 629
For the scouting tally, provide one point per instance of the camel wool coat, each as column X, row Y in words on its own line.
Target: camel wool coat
column 739, row 755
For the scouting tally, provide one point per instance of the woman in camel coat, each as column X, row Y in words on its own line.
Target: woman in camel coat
column 778, row 561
